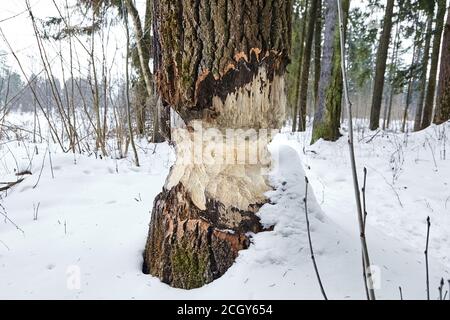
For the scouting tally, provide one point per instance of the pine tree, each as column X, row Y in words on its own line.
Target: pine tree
column 380, row 66
column 443, row 95
column 431, row 89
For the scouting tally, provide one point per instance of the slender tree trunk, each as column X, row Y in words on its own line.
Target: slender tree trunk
column 443, row 94
column 161, row 126
column 317, row 52
column 328, row 114
column 127, row 92
column 431, row 90
column 220, row 65
column 300, row 64
column 416, row 50
column 143, row 52
column 388, row 106
column 424, row 72
column 380, row 66
column 306, row 64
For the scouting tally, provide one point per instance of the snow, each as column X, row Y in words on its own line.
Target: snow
column 93, row 221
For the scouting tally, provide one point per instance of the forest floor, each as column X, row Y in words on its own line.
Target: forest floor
column 77, row 226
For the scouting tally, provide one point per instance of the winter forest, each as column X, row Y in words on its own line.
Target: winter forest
column 225, row 149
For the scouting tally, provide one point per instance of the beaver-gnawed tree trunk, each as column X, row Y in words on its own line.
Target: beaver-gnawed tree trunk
column 220, row 65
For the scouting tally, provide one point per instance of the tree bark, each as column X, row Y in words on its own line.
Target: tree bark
column 431, row 90
column 380, row 66
column 388, row 100
column 423, row 75
column 416, row 49
column 220, row 65
column 327, row 116
column 306, row 64
column 144, row 52
column 443, row 96
column 317, row 51
column 299, row 70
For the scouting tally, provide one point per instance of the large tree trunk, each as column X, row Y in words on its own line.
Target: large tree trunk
column 328, row 114
column 306, row 63
column 220, row 65
column 431, row 90
column 380, row 66
column 443, row 96
column 423, row 74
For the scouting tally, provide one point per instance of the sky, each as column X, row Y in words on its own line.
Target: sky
column 16, row 25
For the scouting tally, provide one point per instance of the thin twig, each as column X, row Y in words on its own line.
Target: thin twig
column 426, row 258
column 441, row 287
column 364, row 248
column 10, row 184
column 401, row 294
column 364, row 197
column 42, row 168
column 305, row 200
column 4, row 244
column 4, row 214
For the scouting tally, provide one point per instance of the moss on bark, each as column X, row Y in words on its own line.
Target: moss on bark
column 327, row 117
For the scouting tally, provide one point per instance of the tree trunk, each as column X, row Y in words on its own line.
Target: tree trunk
column 327, row 116
column 443, row 95
column 388, row 105
column 423, row 75
column 416, row 50
column 431, row 90
column 299, row 70
column 306, row 63
column 317, row 51
column 380, row 66
column 144, row 87
column 220, row 65
column 143, row 50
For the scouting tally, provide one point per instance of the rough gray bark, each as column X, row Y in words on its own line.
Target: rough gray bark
column 299, row 70
column 389, row 99
column 306, row 64
column 424, row 71
column 431, row 89
column 443, row 95
column 219, row 64
column 416, row 49
column 317, row 51
column 328, row 112
column 380, row 66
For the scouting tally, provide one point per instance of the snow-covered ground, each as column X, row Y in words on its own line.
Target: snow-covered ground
column 92, row 221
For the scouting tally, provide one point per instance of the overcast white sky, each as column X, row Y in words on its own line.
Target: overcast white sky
column 16, row 25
